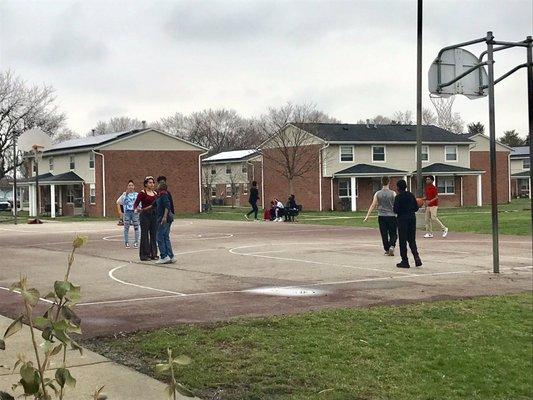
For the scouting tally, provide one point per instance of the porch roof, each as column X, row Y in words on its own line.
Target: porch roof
column 369, row 171
column 67, row 178
column 522, row 174
column 447, row 169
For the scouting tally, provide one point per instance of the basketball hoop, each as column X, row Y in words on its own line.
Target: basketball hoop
column 443, row 107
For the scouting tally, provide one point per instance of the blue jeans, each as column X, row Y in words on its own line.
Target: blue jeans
column 163, row 240
column 131, row 218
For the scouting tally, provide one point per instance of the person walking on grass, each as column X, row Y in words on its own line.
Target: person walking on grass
column 254, row 197
column 405, row 206
column 432, row 204
column 129, row 214
column 145, row 206
column 384, row 202
column 165, row 217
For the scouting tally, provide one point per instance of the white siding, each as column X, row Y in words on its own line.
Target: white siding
column 62, row 165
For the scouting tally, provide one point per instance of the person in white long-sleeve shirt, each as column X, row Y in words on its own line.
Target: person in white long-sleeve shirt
column 280, row 210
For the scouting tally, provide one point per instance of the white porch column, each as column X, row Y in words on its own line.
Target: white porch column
column 60, row 200
column 462, row 196
column 353, row 190
column 479, row 191
column 529, row 181
column 53, row 201
column 331, row 194
column 31, row 196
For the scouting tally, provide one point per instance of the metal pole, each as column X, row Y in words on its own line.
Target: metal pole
column 38, row 194
column 419, row 190
column 530, row 109
column 15, row 162
column 493, row 180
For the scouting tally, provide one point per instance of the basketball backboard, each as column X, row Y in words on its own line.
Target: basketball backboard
column 34, row 137
column 453, row 63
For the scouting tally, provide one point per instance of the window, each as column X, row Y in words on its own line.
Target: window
column 70, row 194
column 72, row 162
column 346, row 153
column 244, row 189
column 213, row 191
column 344, row 188
column 91, row 160
column 425, row 153
column 228, row 190
column 228, row 168
column 213, row 170
column 526, row 164
column 51, row 164
column 92, row 193
column 450, row 153
column 378, row 153
column 34, row 167
column 244, row 168
column 446, row 184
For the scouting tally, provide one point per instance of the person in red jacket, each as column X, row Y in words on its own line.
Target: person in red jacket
column 431, row 199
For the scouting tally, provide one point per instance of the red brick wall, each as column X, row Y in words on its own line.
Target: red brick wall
column 479, row 160
column 180, row 168
column 445, row 200
column 305, row 188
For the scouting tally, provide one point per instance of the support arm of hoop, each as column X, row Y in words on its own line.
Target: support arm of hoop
column 468, row 71
column 501, row 78
column 507, row 45
column 454, row 46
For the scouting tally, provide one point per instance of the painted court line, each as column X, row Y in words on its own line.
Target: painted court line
column 18, row 292
column 303, row 285
column 112, row 238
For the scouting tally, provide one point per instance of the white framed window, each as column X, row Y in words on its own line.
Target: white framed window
column 92, row 193
column 228, row 190
column 346, row 153
column 72, row 162
column 379, row 154
column 34, row 167
column 450, row 154
column 213, row 191
column 70, row 195
column 91, row 160
column 228, row 168
column 446, row 184
column 244, row 189
column 213, row 170
column 51, row 164
column 345, row 188
column 244, row 168
column 425, row 153
column 526, row 164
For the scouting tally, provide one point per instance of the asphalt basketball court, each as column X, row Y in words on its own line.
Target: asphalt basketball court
column 229, row 269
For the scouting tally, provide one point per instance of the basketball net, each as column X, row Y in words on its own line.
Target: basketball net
column 443, row 107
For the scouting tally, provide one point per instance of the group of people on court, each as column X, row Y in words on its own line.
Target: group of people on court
column 397, row 218
column 151, row 213
column 277, row 212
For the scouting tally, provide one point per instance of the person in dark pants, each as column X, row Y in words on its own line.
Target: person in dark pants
column 384, row 202
column 145, row 205
column 254, row 196
column 405, row 206
column 164, row 217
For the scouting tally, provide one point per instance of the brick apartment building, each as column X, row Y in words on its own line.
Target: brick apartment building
column 227, row 177
column 85, row 176
column 347, row 161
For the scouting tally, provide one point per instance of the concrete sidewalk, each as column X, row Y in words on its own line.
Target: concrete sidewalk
column 90, row 370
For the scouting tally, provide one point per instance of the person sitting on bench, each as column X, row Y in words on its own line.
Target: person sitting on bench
column 292, row 209
column 279, row 210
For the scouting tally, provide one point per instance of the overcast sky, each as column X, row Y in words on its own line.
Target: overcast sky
column 354, row 59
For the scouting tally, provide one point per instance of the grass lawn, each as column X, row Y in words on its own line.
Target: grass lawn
column 514, row 218
column 473, row 349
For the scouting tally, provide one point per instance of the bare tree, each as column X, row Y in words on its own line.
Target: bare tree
column 116, row 124
column 64, row 135
column 403, row 117
column 23, row 107
column 428, row 117
column 177, row 125
column 209, row 180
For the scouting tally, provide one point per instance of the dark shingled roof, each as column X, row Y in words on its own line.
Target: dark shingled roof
column 380, row 133
column 51, row 178
column 439, row 168
column 365, row 169
column 520, row 152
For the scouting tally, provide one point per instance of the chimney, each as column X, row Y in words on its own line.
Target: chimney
column 143, row 124
column 93, row 132
column 367, row 123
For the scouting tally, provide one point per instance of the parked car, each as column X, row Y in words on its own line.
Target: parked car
column 5, row 205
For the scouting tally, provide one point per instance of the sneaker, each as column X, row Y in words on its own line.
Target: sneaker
column 173, row 260
column 246, row 216
column 391, row 251
column 127, row 245
column 445, row 232
column 165, row 260
column 418, row 262
column 428, row 235
column 135, row 244
column 403, row 265
column 386, row 253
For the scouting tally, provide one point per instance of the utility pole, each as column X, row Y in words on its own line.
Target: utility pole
column 419, row 188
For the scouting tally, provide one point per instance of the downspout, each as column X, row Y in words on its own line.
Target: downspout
column 320, row 160
column 200, row 177
column 103, row 179
column 262, row 182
